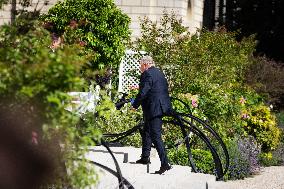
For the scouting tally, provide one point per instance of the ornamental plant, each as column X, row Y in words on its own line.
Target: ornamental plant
column 98, row 25
column 211, row 67
column 110, row 120
column 267, row 77
column 261, row 124
column 202, row 158
column 212, row 64
column 35, row 80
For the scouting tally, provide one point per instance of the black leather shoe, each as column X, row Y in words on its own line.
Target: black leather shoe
column 163, row 169
column 143, row 161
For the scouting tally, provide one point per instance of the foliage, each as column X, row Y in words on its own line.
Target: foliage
column 33, row 76
column 203, row 159
column 244, row 158
column 267, row 159
column 251, row 151
column 203, row 56
column 212, row 64
column 94, row 33
column 208, row 71
column 98, row 25
column 110, row 120
column 239, row 164
column 267, row 77
column 258, row 122
column 178, row 156
column 280, row 119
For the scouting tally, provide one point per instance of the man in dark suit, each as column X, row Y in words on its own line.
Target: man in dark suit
column 154, row 98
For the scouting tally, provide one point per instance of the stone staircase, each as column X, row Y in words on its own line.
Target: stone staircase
column 141, row 177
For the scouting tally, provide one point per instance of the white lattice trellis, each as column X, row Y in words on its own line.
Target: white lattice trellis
column 83, row 102
column 129, row 64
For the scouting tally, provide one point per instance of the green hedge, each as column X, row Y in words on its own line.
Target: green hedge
column 96, row 24
column 207, row 70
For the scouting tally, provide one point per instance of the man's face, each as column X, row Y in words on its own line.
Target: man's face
column 142, row 67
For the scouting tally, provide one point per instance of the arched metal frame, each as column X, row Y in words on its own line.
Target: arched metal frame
column 185, row 125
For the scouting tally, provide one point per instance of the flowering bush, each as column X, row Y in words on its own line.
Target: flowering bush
column 212, row 66
column 98, row 26
column 35, row 81
column 192, row 101
column 267, row 159
column 251, row 151
column 239, row 164
column 260, row 123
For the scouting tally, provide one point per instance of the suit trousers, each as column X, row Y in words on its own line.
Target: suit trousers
column 151, row 133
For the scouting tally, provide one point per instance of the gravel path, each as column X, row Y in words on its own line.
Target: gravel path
column 268, row 178
column 180, row 177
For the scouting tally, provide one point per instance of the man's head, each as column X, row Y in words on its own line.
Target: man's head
column 146, row 62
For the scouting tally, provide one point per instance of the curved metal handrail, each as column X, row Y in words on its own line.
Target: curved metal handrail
column 184, row 125
column 123, row 180
column 215, row 134
column 207, row 127
column 202, row 136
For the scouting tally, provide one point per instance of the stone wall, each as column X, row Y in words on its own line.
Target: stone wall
column 190, row 10
column 5, row 12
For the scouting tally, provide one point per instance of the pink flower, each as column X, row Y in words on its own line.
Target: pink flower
column 244, row 116
column 82, row 43
column 194, row 103
column 34, row 138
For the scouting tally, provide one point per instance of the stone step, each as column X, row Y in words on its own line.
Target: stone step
column 180, row 177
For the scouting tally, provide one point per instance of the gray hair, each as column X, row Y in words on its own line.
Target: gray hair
column 147, row 60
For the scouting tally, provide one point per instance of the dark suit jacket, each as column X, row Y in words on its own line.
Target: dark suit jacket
column 153, row 94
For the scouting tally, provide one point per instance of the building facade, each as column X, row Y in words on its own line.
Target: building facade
column 191, row 11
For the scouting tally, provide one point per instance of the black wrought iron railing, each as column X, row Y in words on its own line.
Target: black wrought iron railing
column 193, row 131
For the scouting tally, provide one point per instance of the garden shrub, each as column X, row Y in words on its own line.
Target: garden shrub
column 280, row 119
column 212, row 66
column 110, row 120
column 268, row 159
column 98, row 25
column 202, row 158
column 36, row 80
column 260, row 123
column 251, row 151
column 275, row 157
column 267, row 77
column 178, row 156
column 244, row 158
column 239, row 164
